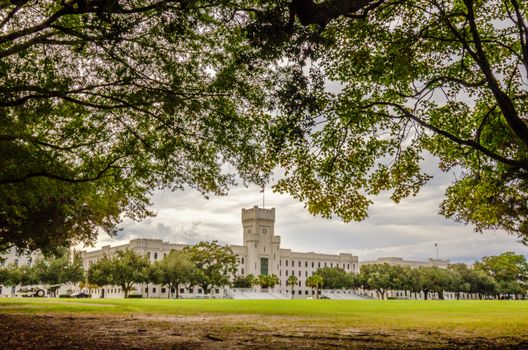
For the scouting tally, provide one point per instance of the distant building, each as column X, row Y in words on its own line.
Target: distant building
column 260, row 253
column 441, row 263
column 12, row 257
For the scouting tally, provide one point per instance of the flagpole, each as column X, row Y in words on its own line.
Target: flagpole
column 437, row 256
column 263, row 197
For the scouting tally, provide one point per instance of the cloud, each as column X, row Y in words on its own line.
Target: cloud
column 408, row 229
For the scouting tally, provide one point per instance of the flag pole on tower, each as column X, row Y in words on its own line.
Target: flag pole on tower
column 262, row 191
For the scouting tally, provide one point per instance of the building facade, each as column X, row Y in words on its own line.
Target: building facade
column 440, row 263
column 260, row 254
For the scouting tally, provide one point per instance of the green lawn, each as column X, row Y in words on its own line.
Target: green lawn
column 486, row 318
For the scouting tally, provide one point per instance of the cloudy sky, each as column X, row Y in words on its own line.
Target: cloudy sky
column 409, row 229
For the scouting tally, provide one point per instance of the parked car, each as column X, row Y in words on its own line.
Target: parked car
column 81, row 295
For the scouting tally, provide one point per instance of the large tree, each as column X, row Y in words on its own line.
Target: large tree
column 124, row 269
column 102, row 102
column 215, row 264
column 509, row 270
column 335, row 278
column 175, row 269
column 412, row 78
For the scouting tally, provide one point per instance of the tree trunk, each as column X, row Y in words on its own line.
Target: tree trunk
column 177, row 287
column 426, row 295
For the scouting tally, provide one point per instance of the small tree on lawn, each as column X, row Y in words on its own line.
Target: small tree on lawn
column 245, row 281
column 215, row 264
column 315, row 282
column 176, row 269
column 292, row 281
column 100, row 274
column 268, row 281
column 128, row 268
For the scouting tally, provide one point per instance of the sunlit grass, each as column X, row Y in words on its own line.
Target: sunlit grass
column 486, row 318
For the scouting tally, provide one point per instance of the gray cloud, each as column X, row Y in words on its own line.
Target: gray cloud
column 408, row 229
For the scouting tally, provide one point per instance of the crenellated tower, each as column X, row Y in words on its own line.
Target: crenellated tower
column 259, row 238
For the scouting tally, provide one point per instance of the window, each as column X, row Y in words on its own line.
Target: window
column 312, row 264
column 242, row 260
column 299, row 273
column 199, row 290
column 299, row 283
column 306, row 264
column 293, row 263
column 264, row 249
column 331, row 264
column 164, row 255
column 148, row 255
column 154, row 290
column 156, row 256
column 146, row 289
column 163, row 290
column 280, row 262
column 306, row 292
column 217, row 291
column 242, row 271
column 325, row 263
column 280, row 272
column 182, row 290
column 255, row 245
column 286, row 273
column 318, row 264
column 299, row 263
column 286, row 262
column 273, row 256
column 305, row 273
column 191, row 290
column 16, row 262
column 300, row 292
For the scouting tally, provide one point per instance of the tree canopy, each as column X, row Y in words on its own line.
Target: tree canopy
column 447, row 78
column 124, row 269
column 175, row 269
column 214, row 264
column 103, row 102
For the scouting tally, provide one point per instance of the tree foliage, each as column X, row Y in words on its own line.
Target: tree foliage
column 103, row 102
column 315, row 282
column 508, row 269
column 413, row 78
column 124, row 269
column 215, row 264
column 335, row 278
column 268, row 281
column 247, row 281
column 175, row 269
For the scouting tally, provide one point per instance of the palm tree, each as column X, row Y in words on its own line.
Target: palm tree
column 315, row 282
column 292, row 281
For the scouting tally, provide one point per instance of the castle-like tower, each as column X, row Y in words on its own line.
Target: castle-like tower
column 262, row 245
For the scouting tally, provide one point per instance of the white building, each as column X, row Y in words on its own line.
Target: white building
column 440, row 263
column 260, row 253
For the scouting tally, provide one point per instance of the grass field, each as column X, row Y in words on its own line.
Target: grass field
column 381, row 324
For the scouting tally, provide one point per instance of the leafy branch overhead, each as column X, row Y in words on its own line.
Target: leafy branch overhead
column 410, row 78
column 102, row 102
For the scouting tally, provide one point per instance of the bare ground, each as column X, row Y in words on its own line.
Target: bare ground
column 74, row 331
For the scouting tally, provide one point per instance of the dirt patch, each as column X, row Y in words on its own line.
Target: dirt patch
column 64, row 331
